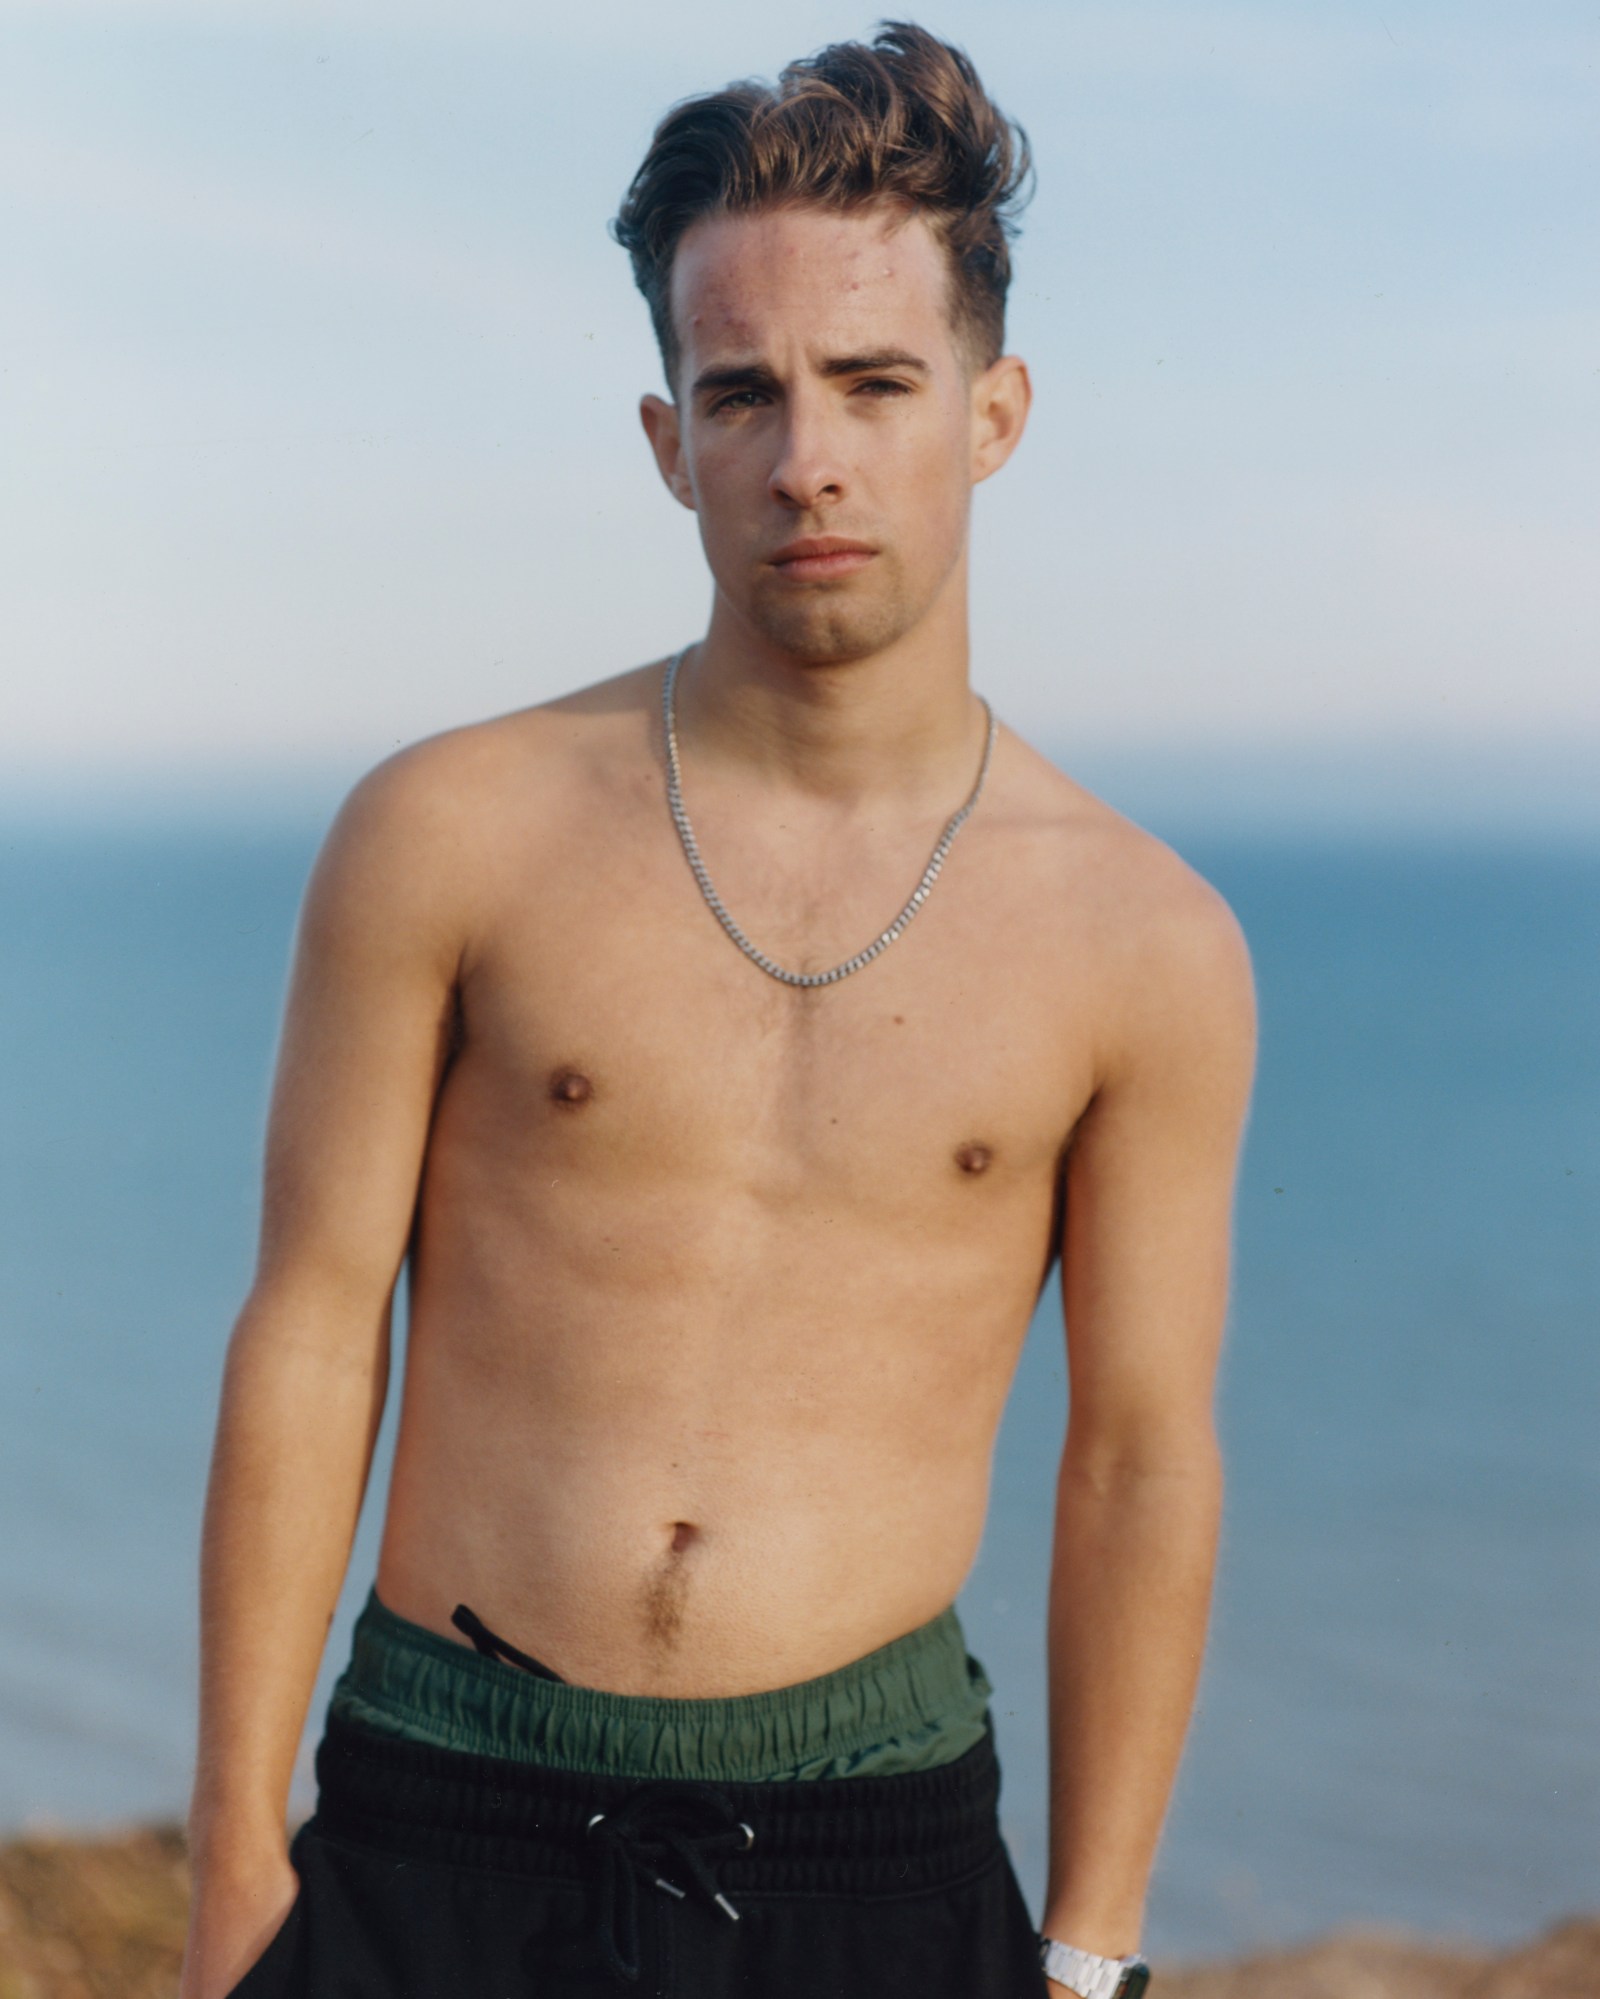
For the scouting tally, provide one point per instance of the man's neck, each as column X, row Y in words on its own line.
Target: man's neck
column 900, row 725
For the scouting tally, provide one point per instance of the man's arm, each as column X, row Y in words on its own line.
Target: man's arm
column 363, row 1047
column 1145, row 1259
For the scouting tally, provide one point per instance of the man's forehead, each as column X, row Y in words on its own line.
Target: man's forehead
column 739, row 280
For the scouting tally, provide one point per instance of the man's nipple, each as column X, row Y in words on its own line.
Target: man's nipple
column 972, row 1157
column 570, row 1086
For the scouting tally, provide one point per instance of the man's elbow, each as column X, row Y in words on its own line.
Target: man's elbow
column 1146, row 1461
column 322, row 1317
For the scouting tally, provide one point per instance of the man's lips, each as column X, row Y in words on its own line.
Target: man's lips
column 826, row 555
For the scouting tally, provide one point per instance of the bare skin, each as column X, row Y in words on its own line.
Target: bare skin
column 718, row 1287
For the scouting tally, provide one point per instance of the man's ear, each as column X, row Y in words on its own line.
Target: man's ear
column 662, row 427
column 1001, row 398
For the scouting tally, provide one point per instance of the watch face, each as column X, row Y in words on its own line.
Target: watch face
column 1134, row 1980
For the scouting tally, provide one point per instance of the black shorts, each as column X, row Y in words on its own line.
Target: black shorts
column 429, row 1873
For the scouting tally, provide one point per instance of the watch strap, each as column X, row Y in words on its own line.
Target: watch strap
column 1090, row 1975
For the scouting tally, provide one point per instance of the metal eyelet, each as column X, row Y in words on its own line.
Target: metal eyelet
column 749, row 1835
column 594, row 1821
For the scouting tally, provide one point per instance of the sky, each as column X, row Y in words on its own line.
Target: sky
column 318, row 412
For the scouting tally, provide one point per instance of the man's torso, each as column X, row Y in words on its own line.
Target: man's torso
column 718, row 1286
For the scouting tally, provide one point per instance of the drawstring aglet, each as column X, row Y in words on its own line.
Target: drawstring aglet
column 671, row 1887
column 724, row 1904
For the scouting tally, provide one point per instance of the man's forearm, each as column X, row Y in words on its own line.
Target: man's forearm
column 299, row 1415
column 1130, row 1592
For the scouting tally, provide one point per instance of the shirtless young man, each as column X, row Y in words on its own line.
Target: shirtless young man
column 718, row 1281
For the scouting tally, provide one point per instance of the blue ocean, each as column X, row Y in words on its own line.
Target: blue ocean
column 1398, row 1718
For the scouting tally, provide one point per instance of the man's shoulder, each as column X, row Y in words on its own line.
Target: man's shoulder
column 466, row 774
column 1141, row 885
column 423, row 839
column 1154, row 922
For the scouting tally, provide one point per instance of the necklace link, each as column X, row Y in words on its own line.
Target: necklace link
column 919, row 895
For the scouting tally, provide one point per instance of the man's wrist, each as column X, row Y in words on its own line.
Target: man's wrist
column 1109, row 1929
column 224, row 1844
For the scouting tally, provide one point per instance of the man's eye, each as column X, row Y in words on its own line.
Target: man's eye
column 737, row 399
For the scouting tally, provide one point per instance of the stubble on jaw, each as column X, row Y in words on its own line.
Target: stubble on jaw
column 832, row 623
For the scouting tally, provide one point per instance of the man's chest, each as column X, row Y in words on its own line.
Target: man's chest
column 609, row 1025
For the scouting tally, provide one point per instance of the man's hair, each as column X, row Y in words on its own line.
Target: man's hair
column 903, row 120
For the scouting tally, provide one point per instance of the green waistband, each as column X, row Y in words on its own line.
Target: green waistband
column 914, row 1703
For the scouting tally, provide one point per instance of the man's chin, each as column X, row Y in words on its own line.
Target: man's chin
column 826, row 634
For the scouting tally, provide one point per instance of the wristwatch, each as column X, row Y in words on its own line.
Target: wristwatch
column 1093, row 1977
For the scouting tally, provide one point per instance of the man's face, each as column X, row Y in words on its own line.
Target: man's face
column 821, row 393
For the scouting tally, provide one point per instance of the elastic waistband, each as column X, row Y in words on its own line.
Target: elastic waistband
column 917, row 1703
column 916, row 1831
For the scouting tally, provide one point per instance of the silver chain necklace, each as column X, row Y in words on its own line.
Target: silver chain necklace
column 919, row 894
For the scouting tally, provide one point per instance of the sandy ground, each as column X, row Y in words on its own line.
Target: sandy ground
column 104, row 1919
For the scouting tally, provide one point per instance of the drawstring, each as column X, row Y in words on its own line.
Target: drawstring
column 653, row 1827
column 492, row 1647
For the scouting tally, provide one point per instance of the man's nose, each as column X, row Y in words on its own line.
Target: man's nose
column 808, row 466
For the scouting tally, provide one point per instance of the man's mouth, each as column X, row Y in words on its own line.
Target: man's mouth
column 821, row 556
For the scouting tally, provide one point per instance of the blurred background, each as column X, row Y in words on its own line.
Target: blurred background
column 319, row 433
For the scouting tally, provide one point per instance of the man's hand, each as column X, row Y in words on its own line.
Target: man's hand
column 236, row 1909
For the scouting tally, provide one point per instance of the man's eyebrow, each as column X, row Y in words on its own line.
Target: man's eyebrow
column 866, row 364
column 754, row 375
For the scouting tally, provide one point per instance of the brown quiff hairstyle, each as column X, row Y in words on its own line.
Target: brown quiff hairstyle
column 904, row 119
